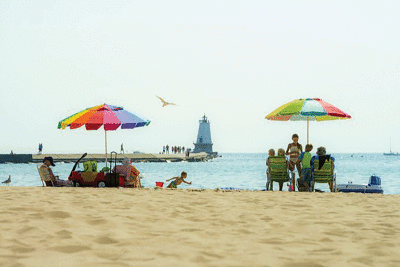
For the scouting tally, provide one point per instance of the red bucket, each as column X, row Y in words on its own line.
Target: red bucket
column 121, row 181
column 159, row 184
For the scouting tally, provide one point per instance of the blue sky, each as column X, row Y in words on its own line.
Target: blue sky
column 235, row 61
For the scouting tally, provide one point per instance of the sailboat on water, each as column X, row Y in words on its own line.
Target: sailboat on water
column 391, row 153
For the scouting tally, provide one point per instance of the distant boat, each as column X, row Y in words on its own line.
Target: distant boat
column 391, row 153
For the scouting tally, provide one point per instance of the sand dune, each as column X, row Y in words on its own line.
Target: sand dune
column 129, row 227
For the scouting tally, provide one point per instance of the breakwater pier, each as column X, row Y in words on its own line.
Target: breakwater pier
column 135, row 157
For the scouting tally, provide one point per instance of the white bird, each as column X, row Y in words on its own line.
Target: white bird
column 165, row 103
column 8, row 181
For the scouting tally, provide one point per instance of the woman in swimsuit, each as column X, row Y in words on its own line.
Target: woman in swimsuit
column 178, row 180
column 294, row 150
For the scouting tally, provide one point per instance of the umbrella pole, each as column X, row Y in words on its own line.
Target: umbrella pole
column 308, row 130
column 105, row 140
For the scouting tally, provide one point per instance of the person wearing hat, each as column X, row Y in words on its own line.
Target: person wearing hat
column 53, row 180
column 322, row 157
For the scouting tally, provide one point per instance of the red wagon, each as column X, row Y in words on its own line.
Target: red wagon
column 96, row 179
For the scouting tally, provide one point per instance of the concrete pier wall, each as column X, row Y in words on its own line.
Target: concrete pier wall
column 136, row 157
column 16, row 158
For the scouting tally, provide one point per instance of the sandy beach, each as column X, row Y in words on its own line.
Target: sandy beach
column 146, row 227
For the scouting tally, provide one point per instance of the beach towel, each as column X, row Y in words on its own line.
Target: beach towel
column 322, row 160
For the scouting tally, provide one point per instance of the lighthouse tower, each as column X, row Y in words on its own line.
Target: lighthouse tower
column 203, row 143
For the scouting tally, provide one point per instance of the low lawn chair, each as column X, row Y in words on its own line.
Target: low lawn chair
column 45, row 176
column 301, row 187
column 325, row 175
column 279, row 170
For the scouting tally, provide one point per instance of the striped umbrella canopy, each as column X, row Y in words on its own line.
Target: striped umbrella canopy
column 108, row 116
column 309, row 109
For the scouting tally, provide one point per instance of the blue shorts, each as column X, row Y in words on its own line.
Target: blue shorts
column 306, row 175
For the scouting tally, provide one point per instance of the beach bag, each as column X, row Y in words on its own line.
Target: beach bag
column 90, row 166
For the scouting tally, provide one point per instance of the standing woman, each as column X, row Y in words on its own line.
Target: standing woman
column 294, row 150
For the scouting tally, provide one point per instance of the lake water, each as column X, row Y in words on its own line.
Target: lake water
column 244, row 171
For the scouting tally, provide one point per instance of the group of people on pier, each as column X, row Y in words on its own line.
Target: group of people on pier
column 174, row 149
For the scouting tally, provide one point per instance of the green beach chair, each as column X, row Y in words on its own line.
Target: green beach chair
column 279, row 170
column 325, row 175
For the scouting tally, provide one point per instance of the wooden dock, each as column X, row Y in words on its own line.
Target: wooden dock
column 136, row 157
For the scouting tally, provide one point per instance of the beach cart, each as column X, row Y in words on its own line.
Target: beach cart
column 90, row 177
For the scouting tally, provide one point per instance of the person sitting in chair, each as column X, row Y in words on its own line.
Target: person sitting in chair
column 53, row 180
column 130, row 173
column 281, row 153
column 271, row 153
column 322, row 157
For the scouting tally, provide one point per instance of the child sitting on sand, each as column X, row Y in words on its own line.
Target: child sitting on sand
column 305, row 159
column 178, row 180
column 271, row 153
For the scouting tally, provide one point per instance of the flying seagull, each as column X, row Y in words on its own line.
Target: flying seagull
column 8, row 181
column 165, row 103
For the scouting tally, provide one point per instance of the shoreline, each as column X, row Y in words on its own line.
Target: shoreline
column 186, row 227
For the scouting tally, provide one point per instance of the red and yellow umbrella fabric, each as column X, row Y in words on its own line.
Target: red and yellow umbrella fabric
column 309, row 109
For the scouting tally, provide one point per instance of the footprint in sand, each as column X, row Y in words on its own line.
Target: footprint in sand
column 19, row 209
column 70, row 249
column 58, row 214
column 211, row 255
column 272, row 241
column 35, row 215
column 96, row 221
column 22, row 249
column 26, row 230
column 304, row 264
column 326, row 239
column 191, row 230
column 355, row 224
column 266, row 219
column 64, row 234
column 105, row 240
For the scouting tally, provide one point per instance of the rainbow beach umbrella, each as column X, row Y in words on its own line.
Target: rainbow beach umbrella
column 309, row 109
column 108, row 116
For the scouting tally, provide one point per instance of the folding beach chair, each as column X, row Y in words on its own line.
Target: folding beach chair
column 44, row 175
column 279, row 170
column 301, row 187
column 324, row 175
